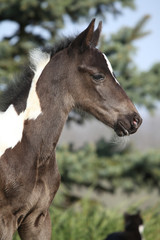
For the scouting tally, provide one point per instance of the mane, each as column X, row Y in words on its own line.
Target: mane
column 20, row 86
column 58, row 46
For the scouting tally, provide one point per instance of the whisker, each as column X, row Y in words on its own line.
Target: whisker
column 120, row 142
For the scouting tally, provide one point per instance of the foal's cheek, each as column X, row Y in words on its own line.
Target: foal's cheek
column 103, row 93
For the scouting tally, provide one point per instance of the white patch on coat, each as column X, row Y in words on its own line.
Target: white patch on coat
column 11, row 124
column 110, row 68
column 11, row 128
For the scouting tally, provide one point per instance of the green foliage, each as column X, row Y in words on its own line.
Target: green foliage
column 84, row 220
column 47, row 17
column 89, row 220
column 106, row 169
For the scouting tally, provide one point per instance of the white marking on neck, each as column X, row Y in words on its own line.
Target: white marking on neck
column 11, row 124
column 38, row 60
column 110, row 68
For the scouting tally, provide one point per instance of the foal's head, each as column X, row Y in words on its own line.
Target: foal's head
column 95, row 88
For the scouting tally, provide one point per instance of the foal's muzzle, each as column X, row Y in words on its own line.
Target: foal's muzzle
column 127, row 125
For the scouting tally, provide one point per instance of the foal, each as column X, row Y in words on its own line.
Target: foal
column 75, row 74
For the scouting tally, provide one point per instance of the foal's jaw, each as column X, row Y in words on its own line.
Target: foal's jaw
column 123, row 126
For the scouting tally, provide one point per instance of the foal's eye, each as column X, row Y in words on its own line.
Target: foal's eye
column 98, row 77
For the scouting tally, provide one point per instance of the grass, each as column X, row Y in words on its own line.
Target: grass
column 87, row 220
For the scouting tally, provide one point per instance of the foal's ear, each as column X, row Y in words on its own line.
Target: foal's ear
column 96, row 35
column 84, row 39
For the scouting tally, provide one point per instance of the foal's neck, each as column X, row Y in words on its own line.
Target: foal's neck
column 55, row 102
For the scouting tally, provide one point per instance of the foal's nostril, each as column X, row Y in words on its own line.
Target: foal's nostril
column 136, row 121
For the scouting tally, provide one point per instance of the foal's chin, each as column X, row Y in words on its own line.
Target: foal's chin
column 122, row 133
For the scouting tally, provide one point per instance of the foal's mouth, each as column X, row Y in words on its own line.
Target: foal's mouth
column 125, row 128
column 121, row 130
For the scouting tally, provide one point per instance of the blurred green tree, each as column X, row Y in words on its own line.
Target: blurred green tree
column 103, row 168
column 37, row 20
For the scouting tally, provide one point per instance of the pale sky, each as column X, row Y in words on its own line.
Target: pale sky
column 148, row 47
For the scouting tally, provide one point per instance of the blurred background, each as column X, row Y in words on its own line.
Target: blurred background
column 103, row 176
